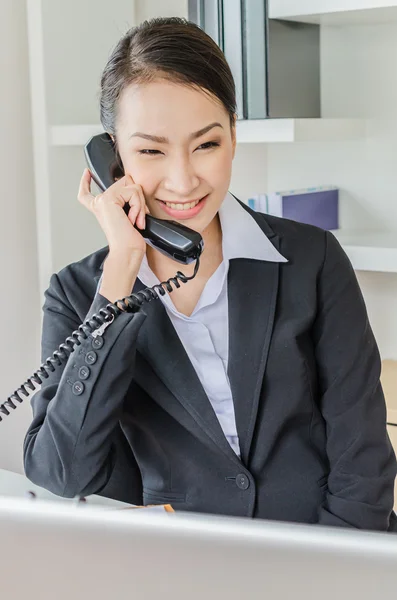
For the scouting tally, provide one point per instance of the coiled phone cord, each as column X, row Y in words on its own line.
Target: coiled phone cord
column 96, row 326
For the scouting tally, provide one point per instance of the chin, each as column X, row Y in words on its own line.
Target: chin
column 199, row 225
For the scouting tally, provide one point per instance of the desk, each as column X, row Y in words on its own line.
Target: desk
column 15, row 485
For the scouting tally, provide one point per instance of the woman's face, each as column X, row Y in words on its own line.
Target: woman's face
column 177, row 144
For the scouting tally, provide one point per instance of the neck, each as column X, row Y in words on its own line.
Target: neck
column 210, row 259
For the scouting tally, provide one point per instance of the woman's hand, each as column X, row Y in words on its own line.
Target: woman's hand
column 126, row 245
column 123, row 238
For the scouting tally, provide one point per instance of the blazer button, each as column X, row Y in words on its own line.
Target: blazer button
column 84, row 372
column 78, row 388
column 97, row 342
column 242, row 481
column 91, row 357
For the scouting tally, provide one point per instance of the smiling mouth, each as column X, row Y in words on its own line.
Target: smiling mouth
column 184, row 206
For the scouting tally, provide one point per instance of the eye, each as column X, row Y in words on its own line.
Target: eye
column 149, row 152
column 208, row 145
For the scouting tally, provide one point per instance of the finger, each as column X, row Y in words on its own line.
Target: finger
column 121, row 183
column 130, row 195
column 133, row 213
column 84, row 194
column 134, row 194
column 141, row 221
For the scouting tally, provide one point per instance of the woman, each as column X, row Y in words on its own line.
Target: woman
column 253, row 390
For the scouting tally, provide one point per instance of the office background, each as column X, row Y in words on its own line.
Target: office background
column 51, row 56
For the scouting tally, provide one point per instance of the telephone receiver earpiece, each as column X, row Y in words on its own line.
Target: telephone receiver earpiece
column 168, row 237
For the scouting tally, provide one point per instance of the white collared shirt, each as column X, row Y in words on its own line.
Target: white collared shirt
column 205, row 334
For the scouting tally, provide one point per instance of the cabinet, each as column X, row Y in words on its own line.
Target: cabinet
column 358, row 41
column 275, row 63
column 334, row 12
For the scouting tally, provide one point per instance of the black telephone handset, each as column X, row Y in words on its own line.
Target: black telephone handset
column 169, row 237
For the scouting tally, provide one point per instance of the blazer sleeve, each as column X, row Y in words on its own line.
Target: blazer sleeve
column 362, row 461
column 70, row 447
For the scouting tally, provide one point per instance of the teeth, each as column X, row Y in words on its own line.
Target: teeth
column 185, row 206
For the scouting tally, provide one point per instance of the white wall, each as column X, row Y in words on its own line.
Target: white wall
column 19, row 299
column 148, row 9
column 79, row 37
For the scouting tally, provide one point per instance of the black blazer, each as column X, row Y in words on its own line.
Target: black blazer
column 304, row 372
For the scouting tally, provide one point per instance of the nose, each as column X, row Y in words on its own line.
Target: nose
column 181, row 178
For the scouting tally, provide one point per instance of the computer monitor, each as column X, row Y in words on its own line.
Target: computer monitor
column 56, row 551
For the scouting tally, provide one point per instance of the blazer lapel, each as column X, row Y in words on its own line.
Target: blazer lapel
column 161, row 347
column 252, row 295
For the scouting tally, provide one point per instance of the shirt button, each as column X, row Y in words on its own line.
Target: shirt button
column 242, row 481
column 97, row 342
column 78, row 388
column 91, row 357
column 84, row 372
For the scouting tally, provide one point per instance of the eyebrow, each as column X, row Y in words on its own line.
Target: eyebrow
column 164, row 140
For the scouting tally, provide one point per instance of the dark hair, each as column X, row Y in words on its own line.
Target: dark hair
column 171, row 48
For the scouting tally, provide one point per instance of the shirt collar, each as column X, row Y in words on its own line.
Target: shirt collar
column 241, row 235
column 241, row 238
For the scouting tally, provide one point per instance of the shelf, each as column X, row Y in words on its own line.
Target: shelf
column 370, row 250
column 334, row 12
column 73, row 135
column 299, row 130
column 250, row 131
